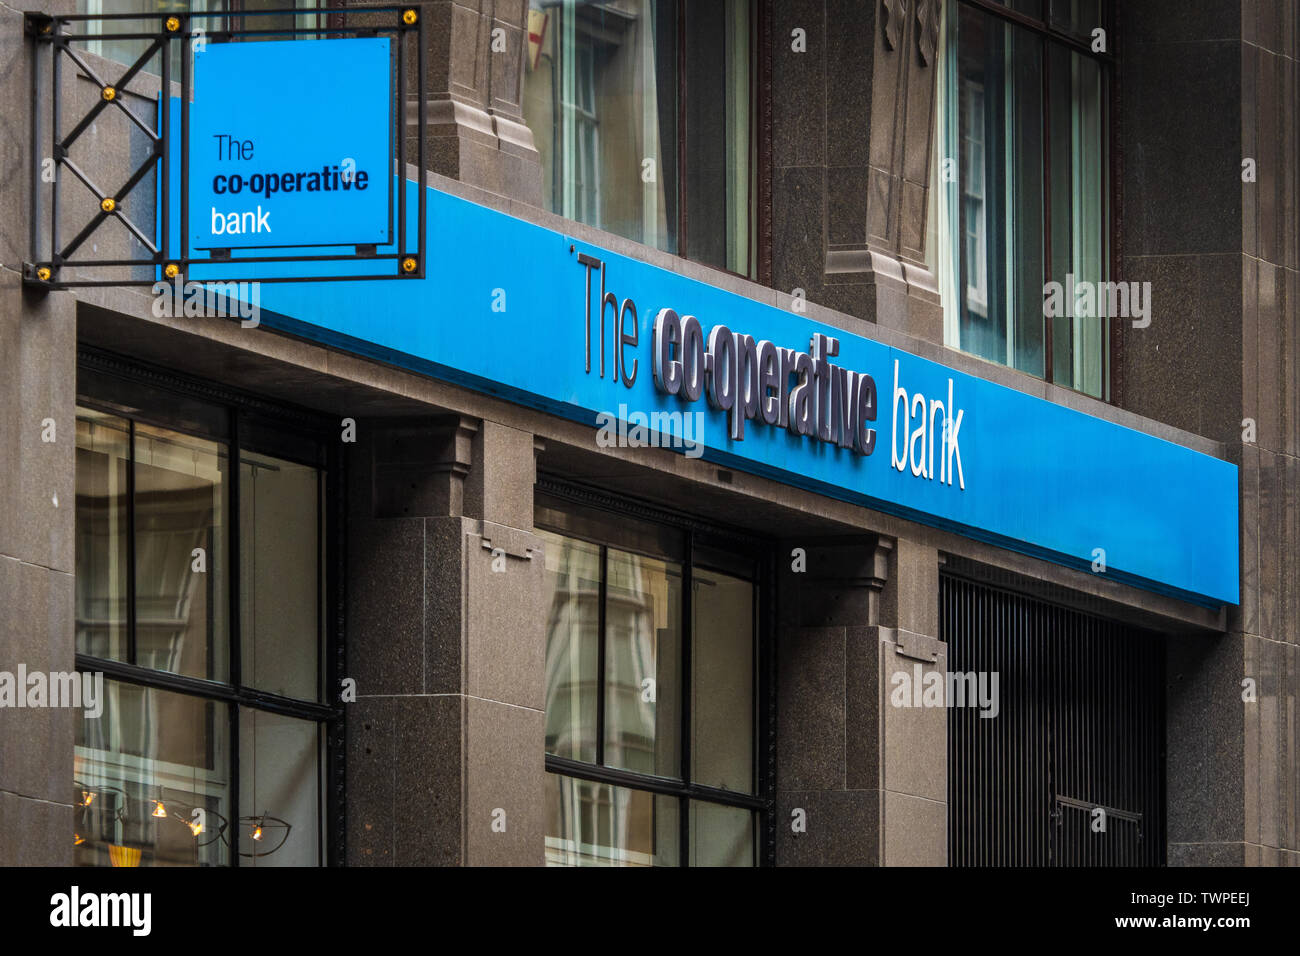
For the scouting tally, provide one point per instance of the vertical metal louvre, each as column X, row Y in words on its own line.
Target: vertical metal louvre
column 1077, row 743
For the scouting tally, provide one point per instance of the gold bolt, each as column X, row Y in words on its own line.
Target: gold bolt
column 173, row 24
column 43, row 274
column 108, row 204
column 409, row 17
column 109, row 94
column 408, row 264
column 171, row 270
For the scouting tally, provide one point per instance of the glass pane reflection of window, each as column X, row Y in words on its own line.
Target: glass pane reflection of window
column 596, row 824
column 642, row 649
column 103, row 460
column 603, row 97
column 572, row 627
column 141, row 769
column 180, row 562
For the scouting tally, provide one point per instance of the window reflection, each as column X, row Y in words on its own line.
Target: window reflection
column 103, row 459
column 141, row 770
column 606, row 85
column 572, row 627
column 181, row 602
column 596, row 824
column 642, row 628
column 639, row 602
column 153, row 771
column 1020, row 196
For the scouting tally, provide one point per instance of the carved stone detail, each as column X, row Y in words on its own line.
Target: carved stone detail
column 892, row 19
column 927, row 32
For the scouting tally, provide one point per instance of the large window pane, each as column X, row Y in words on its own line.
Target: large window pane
column 596, row 824
column 141, row 769
column 279, row 542
column 718, row 201
column 103, row 460
column 181, row 595
column 1078, row 210
column 279, row 789
column 642, row 641
column 603, row 95
column 1000, row 103
column 722, row 682
column 600, row 99
column 721, row 836
column 126, row 51
column 572, row 631
column 1022, row 124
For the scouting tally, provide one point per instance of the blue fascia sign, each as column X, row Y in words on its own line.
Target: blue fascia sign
column 515, row 309
column 291, row 144
column 646, row 355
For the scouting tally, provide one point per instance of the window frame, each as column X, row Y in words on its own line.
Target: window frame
column 758, row 185
column 706, row 547
column 114, row 379
column 1110, row 197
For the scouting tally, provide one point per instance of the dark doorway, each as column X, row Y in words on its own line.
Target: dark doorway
column 1077, row 742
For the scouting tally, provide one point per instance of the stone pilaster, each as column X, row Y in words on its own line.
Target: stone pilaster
column 447, row 644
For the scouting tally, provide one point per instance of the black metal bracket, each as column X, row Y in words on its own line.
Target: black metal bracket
column 54, row 263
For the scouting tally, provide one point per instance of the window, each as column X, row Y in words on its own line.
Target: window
column 200, row 597
column 114, row 45
column 1021, row 185
column 652, row 710
column 640, row 111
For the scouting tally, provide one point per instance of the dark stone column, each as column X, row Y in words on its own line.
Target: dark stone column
column 851, row 132
column 1204, row 91
column 446, row 640
column 866, row 780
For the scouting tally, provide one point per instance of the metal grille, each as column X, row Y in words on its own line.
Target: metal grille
column 1077, row 743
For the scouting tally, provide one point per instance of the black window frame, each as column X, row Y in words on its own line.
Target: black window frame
column 710, row 547
column 118, row 383
column 1044, row 28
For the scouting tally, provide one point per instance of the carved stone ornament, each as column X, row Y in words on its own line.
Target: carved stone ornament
column 927, row 33
column 892, row 14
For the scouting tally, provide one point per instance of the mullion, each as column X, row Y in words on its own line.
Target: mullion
column 130, row 544
column 663, row 786
column 204, row 689
column 233, row 517
column 602, row 593
column 685, row 684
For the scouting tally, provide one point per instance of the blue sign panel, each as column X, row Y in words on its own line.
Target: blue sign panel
column 649, row 356
column 291, row 144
